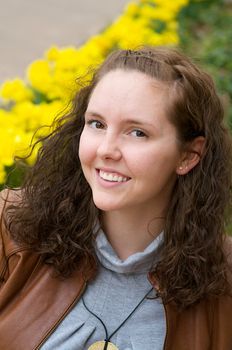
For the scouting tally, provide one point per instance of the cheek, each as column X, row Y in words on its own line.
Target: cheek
column 158, row 162
column 83, row 149
column 86, row 149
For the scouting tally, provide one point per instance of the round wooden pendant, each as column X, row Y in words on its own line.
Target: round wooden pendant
column 99, row 345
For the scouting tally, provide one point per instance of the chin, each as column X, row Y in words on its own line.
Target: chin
column 106, row 206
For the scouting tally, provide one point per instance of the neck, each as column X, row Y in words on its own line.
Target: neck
column 129, row 233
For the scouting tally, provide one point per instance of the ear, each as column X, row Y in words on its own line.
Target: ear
column 191, row 156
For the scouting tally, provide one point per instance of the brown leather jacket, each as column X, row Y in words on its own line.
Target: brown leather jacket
column 33, row 303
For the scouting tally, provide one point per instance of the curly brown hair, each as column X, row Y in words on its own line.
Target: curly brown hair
column 57, row 214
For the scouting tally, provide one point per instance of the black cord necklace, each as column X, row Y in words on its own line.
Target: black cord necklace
column 106, row 344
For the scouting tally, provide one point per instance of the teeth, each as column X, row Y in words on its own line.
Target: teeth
column 112, row 177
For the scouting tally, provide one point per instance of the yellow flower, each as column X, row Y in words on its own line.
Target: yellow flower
column 39, row 75
column 15, row 90
column 2, row 174
column 132, row 9
column 52, row 54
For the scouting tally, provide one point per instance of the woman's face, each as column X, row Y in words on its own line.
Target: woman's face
column 128, row 149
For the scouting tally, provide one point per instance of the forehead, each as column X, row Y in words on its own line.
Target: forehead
column 128, row 90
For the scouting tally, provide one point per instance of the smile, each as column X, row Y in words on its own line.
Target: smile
column 113, row 177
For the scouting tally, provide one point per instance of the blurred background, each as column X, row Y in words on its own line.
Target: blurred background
column 28, row 28
column 46, row 45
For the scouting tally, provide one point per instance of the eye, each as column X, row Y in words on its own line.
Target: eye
column 95, row 124
column 138, row 133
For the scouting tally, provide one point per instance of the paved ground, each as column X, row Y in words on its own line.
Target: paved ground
column 29, row 27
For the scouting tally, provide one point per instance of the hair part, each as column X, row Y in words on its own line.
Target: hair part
column 57, row 214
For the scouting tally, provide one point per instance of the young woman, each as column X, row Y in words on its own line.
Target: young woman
column 116, row 239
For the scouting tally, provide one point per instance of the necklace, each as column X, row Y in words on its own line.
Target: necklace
column 106, row 344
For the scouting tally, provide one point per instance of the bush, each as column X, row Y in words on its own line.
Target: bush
column 205, row 33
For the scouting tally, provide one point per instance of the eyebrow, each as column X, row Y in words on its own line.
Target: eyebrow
column 127, row 121
column 94, row 114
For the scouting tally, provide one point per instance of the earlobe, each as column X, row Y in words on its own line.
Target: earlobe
column 191, row 156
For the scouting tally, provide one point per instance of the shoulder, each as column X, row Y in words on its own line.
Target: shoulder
column 7, row 197
column 15, row 258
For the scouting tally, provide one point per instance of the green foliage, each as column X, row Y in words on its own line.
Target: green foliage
column 205, row 34
column 15, row 175
column 158, row 25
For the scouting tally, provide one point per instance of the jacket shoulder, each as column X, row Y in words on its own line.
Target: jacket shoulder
column 32, row 300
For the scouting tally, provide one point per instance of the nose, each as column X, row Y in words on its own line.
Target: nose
column 109, row 148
